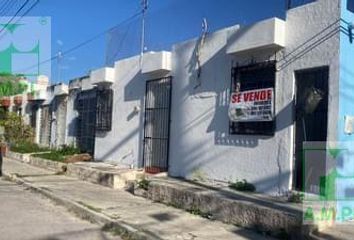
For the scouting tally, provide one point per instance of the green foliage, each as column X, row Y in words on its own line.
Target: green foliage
column 143, row 184
column 16, row 131
column 52, row 155
column 59, row 155
column 196, row 211
column 7, row 74
column 27, row 147
column 11, row 85
column 67, row 150
column 117, row 230
column 296, row 197
column 243, row 186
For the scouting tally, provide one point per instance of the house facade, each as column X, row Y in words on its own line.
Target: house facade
column 230, row 105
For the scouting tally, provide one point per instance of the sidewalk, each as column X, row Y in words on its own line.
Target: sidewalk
column 137, row 215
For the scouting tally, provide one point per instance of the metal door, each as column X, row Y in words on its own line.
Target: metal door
column 157, row 125
column 310, row 127
column 86, row 124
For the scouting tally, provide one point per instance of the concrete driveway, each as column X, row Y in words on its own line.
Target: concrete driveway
column 27, row 215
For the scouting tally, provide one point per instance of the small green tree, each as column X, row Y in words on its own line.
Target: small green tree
column 15, row 129
column 11, row 84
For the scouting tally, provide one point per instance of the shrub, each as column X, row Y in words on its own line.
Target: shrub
column 15, row 129
column 27, row 147
column 59, row 155
column 68, row 150
column 52, row 155
column 143, row 184
column 296, row 197
column 243, row 186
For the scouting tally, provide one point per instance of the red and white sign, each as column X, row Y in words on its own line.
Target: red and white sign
column 252, row 106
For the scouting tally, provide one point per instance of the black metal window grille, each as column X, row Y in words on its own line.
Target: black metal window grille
column 255, row 76
column 104, row 110
column 157, row 124
column 33, row 116
column 86, row 121
column 350, row 5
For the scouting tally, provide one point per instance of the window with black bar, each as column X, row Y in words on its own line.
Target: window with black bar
column 104, row 110
column 252, row 77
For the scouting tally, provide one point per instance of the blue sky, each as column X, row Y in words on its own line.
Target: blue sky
column 168, row 21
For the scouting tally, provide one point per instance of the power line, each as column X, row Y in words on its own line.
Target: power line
column 19, row 18
column 119, row 46
column 84, row 43
column 13, row 17
column 6, row 6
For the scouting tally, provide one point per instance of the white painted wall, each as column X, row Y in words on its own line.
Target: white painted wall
column 123, row 144
column 200, row 143
column 313, row 25
column 154, row 62
column 268, row 33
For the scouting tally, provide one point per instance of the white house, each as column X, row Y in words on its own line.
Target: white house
column 234, row 104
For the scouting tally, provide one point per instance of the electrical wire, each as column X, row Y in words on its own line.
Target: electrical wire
column 6, row 7
column 19, row 18
column 13, row 17
column 120, row 45
column 84, row 43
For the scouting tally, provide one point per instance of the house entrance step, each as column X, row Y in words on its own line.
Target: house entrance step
column 104, row 174
column 109, row 175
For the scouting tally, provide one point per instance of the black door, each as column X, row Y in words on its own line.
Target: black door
column 157, row 125
column 86, row 121
column 311, row 113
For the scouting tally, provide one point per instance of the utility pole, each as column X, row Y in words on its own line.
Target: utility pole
column 144, row 4
column 288, row 4
column 59, row 58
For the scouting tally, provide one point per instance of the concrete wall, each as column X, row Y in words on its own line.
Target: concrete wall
column 344, row 165
column 123, row 144
column 53, row 119
column 71, row 118
column 75, row 86
column 200, row 144
column 59, row 106
column 45, row 126
column 312, row 41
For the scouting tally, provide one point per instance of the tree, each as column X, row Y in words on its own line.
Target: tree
column 11, row 84
column 15, row 129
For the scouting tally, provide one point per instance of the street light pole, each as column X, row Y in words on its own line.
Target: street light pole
column 144, row 4
column 59, row 57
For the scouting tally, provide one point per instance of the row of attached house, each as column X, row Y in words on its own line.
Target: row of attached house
column 234, row 104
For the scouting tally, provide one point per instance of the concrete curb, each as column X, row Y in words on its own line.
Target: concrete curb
column 37, row 162
column 213, row 205
column 117, row 180
column 125, row 231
